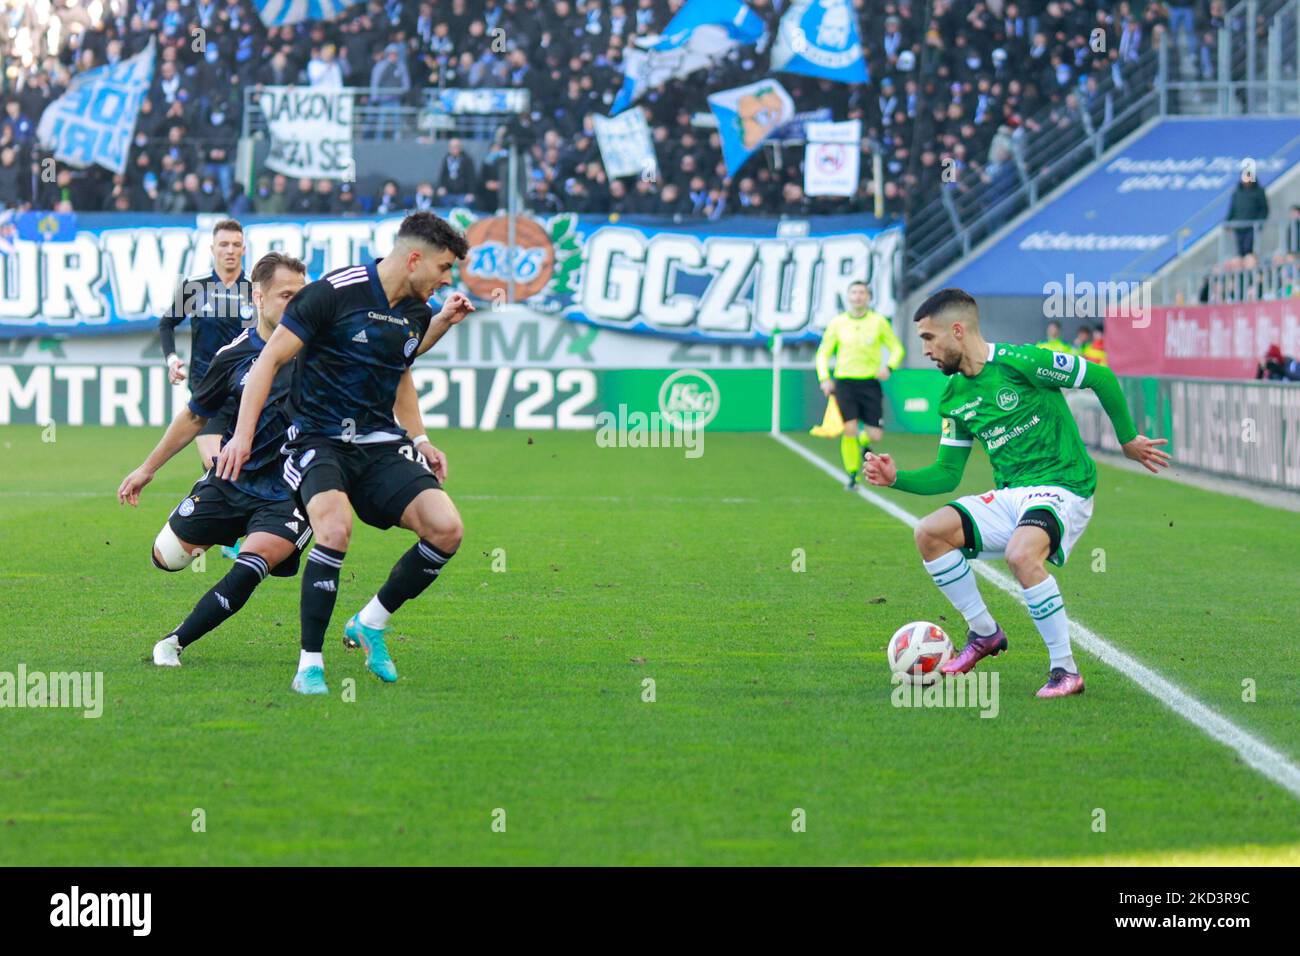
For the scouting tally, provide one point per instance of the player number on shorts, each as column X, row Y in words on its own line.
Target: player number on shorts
column 408, row 451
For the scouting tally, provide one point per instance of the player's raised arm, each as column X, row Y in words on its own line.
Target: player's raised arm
column 454, row 309
column 1145, row 451
column 1048, row 369
column 184, row 428
column 208, row 397
column 939, row 478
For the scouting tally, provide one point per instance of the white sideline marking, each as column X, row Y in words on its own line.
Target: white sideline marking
column 1271, row 763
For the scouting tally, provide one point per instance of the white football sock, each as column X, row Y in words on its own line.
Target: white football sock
column 954, row 577
column 308, row 659
column 1048, row 611
column 374, row 614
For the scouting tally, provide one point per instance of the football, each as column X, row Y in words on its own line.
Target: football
column 917, row 650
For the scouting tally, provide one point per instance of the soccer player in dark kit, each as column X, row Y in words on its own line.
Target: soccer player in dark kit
column 357, row 441
column 259, row 503
column 218, row 306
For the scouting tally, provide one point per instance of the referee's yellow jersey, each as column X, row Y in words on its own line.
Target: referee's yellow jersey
column 856, row 345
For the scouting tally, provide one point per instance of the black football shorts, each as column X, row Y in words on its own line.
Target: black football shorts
column 379, row 478
column 217, row 512
column 861, row 399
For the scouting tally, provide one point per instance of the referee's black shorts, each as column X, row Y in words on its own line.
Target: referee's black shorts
column 380, row 478
column 861, row 399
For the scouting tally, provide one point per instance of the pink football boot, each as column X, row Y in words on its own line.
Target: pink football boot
column 975, row 650
column 1061, row 683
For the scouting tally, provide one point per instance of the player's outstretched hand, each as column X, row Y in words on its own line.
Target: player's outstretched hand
column 232, row 457
column 879, row 469
column 436, row 461
column 1146, row 452
column 455, row 307
column 128, row 492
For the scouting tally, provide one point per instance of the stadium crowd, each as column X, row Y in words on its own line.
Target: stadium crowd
column 953, row 83
column 1267, row 261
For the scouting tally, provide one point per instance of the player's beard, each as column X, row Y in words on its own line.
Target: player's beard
column 949, row 364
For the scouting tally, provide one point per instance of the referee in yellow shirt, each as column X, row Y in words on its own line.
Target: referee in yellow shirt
column 856, row 338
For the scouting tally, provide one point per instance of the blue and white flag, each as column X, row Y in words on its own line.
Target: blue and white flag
column 747, row 116
column 820, row 38
column 92, row 123
column 278, row 13
column 41, row 226
column 702, row 33
column 741, row 23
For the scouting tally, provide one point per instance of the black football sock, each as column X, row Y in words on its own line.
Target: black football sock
column 320, row 589
column 413, row 572
column 224, row 600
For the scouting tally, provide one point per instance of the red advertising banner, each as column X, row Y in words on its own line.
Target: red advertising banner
column 1202, row 341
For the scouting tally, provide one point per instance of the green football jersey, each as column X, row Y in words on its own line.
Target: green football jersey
column 1015, row 408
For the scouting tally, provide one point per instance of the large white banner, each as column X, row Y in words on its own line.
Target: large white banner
column 832, row 159
column 626, row 147
column 311, row 131
column 736, row 280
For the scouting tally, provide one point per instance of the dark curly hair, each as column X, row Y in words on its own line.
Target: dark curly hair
column 437, row 232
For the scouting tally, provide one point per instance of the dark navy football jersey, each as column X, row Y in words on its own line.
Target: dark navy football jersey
column 357, row 348
column 217, row 313
column 261, row 474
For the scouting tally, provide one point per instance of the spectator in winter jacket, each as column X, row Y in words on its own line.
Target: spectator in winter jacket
column 389, row 199
column 457, row 180
column 1249, row 205
column 389, row 82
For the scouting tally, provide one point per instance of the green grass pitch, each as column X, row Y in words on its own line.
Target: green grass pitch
column 523, row 690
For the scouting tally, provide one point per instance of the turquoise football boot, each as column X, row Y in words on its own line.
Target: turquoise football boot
column 371, row 640
column 310, row 681
column 230, row 552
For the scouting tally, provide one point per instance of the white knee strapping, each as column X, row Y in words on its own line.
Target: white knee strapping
column 168, row 546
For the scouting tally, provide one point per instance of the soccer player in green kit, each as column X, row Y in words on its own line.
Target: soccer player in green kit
column 1009, row 397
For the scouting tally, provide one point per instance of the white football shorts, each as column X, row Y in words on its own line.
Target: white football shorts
column 995, row 514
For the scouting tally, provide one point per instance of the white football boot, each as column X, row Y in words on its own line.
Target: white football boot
column 167, row 652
